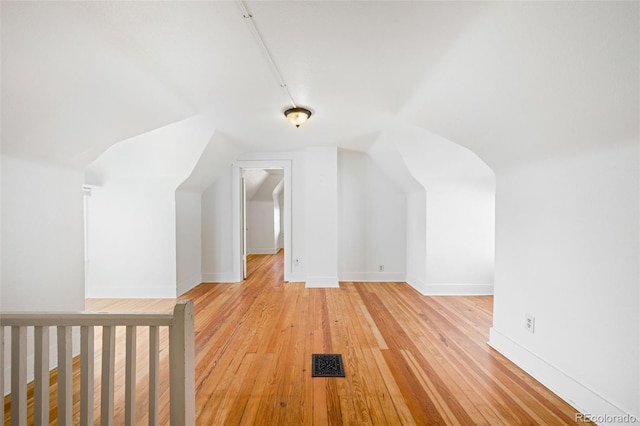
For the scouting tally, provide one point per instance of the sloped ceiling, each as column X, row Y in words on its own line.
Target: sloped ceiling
column 513, row 81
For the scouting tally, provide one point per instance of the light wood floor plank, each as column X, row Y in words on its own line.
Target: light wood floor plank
column 409, row 359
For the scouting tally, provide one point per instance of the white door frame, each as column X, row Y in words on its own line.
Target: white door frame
column 236, row 200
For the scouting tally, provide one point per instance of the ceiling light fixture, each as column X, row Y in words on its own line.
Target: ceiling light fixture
column 297, row 115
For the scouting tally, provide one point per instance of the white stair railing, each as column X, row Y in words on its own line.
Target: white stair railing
column 181, row 364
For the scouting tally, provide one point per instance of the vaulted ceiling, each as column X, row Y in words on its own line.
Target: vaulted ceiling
column 514, row 82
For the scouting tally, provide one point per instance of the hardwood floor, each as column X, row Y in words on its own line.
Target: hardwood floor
column 409, row 359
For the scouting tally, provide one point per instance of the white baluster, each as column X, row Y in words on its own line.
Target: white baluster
column 2, row 371
column 18, row 376
column 86, row 375
column 108, row 364
column 154, row 375
column 41, row 375
column 130, row 378
column 65, row 383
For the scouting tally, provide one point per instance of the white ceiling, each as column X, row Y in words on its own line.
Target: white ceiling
column 514, row 82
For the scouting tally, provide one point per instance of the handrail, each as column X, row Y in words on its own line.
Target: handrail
column 181, row 363
column 65, row 319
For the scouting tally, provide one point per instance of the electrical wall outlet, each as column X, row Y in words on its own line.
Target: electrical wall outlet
column 381, row 268
column 530, row 323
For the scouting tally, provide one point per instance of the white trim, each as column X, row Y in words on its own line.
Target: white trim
column 297, row 277
column 373, row 277
column 566, row 387
column 324, row 282
column 132, row 293
column 456, row 289
column 219, row 277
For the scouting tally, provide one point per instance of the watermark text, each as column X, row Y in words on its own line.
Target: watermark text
column 605, row 418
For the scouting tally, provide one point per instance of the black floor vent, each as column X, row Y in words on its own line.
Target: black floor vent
column 327, row 365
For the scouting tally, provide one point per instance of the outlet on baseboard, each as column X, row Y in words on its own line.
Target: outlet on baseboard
column 529, row 323
column 381, row 268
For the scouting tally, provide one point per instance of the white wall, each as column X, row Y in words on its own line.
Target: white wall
column 188, row 240
column 371, row 221
column 386, row 156
column 217, row 226
column 567, row 250
column 42, row 237
column 322, row 217
column 42, row 243
column 260, row 229
column 298, row 214
column 416, row 274
column 132, row 224
column 460, row 229
column 132, row 240
column 459, row 215
column 195, row 248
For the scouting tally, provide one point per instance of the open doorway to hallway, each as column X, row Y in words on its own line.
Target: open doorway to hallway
column 263, row 212
column 271, row 170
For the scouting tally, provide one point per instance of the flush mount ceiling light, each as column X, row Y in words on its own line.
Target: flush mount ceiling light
column 297, row 115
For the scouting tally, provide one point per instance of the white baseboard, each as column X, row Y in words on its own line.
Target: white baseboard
column 329, row 282
column 372, row 277
column 584, row 400
column 219, row 277
column 131, row 293
column 456, row 289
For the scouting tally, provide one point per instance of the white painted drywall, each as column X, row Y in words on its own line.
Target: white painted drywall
column 371, row 221
column 567, row 248
column 298, row 214
column 132, row 223
column 42, row 236
column 460, row 236
column 42, row 243
column 132, row 240
column 322, row 216
column 416, row 238
column 260, row 229
column 188, row 240
column 195, row 243
column 217, row 226
column 459, row 215
column 386, row 156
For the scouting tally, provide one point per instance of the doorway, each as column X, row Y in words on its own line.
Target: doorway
column 262, row 212
column 262, row 208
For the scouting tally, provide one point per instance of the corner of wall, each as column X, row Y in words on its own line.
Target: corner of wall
column 186, row 285
column 322, row 282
